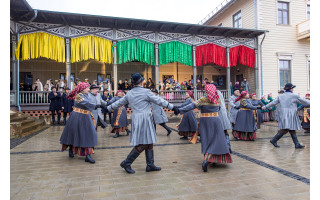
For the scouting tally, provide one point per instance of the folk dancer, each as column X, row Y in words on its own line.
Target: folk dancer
column 245, row 126
column 143, row 133
column 80, row 134
column 288, row 115
column 214, row 145
column 95, row 97
column 306, row 116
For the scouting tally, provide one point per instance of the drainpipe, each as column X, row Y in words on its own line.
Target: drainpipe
column 18, row 61
column 261, row 63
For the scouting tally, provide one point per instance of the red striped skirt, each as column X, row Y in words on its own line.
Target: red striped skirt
column 81, row 151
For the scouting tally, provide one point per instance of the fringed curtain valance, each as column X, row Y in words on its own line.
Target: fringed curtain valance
column 135, row 50
column 41, row 45
column 211, row 54
column 175, row 52
column 91, row 47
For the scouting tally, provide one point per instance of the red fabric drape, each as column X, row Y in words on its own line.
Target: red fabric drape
column 211, row 54
column 242, row 55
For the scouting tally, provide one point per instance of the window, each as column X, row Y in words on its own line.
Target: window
column 285, row 74
column 237, row 21
column 283, row 12
column 308, row 11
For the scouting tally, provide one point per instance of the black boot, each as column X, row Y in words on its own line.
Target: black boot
column 126, row 164
column 53, row 120
column 71, row 155
column 228, row 143
column 205, row 166
column 150, row 162
column 295, row 141
column 275, row 139
column 89, row 159
column 64, row 121
column 184, row 138
column 59, row 119
column 128, row 132
column 167, row 128
column 116, row 135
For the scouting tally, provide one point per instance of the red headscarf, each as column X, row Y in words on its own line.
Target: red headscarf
column 241, row 96
column 118, row 91
column 190, row 94
column 81, row 86
column 251, row 95
column 211, row 92
column 308, row 95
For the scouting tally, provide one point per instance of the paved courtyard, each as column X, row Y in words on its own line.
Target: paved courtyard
column 39, row 170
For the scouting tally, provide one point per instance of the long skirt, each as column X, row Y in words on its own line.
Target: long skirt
column 248, row 136
column 272, row 115
column 265, row 116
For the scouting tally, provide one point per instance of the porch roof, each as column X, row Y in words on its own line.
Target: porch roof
column 20, row 10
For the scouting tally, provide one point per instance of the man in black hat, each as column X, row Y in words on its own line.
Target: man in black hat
column 143, row 132
column 55, row 104
column 96, row 98
column 66, row 105
column 287, row 114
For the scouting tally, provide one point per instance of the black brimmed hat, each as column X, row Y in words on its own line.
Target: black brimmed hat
column 289, row 86
column 136, row 78
column 93, row 86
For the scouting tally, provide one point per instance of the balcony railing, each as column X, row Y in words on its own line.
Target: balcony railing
column 36, row 98
column 303, row 30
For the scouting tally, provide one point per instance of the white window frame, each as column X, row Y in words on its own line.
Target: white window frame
column 285, row 56
column 308, row 4
column 238, row 12
column 289, row 18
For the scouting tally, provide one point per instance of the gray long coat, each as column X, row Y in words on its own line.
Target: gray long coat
column 233, row 112
column 96, row 99
column 142, row 126
column 287, row 113
column 223, row 114
column 159, row 115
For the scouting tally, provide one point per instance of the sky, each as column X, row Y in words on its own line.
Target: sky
column 184, row 11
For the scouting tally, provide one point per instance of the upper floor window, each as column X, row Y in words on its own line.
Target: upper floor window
column 308, row 11
column 283, row 12
column 237, row 20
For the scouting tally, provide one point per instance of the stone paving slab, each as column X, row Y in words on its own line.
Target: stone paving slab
column 51, row 174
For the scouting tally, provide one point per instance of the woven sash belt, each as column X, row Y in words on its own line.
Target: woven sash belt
column 84, row 112
column 244, row 109
column 212, row 114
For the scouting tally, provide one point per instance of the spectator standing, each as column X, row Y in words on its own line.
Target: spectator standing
column 55, row 104
column 245, row 85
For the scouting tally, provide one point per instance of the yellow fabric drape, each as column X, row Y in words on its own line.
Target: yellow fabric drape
column 41, row 45
column 91, row 47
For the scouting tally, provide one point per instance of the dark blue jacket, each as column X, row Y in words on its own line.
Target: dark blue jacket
column 55, row 101
column 105, row 98
column 66, row 103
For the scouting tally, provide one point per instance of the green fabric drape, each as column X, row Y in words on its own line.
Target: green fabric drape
column 175, row 52
column 135, row 50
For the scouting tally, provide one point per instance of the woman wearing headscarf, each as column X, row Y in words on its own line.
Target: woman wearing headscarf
column 188, row 122
column 265, row 113
column 272, row 110
column 119, row 120
column 306, row 116
column 79, row 133
column 213, row 142
column 257, row 113
column 245, row 126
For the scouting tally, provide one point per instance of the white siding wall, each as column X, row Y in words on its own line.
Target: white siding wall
column 247, row 14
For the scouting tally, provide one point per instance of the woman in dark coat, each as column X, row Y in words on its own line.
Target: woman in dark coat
column 273, row 109
column 245, row 126
column 188, row 123
column 306, row 116
column 106, row 97
column 119, row 120
column 55, row 104
column 257, row 113
column 213, row 142
column 80, row 134
column 66, row 105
